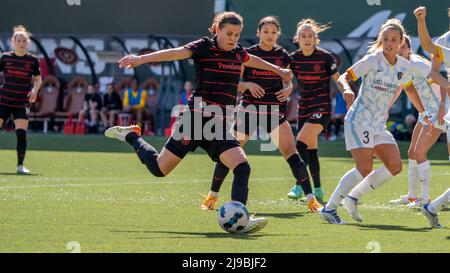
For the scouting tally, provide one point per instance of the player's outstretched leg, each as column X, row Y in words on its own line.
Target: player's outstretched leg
column 146, row 153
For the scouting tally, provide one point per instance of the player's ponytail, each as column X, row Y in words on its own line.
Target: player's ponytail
column 407, row 41
column 389, row 24
column 222, row 18
column 20, row 30
column 315, row 26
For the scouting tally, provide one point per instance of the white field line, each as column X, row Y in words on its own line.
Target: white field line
column 122, row 181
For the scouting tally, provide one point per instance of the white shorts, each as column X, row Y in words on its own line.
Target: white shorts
column 358, row 137
column 448, row 134
column 442, row 127
column 447, row 119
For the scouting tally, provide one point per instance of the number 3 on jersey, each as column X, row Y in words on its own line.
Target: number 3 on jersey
column 366, row 136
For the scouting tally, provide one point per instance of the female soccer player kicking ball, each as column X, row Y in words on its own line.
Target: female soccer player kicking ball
column 218, row 61
column 366, row 134
column 262, row 90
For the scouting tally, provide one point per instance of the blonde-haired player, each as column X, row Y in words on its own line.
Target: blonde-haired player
column 422, row 139
column 366, row 135
column 313, row 68
column 441, row 55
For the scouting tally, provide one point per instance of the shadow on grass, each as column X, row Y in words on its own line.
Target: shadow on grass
column 390, row 227
column 206, row 235
column 16, row 174
column 287, row 215
column 439, row 163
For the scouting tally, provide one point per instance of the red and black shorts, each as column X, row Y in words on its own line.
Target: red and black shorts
column 205, row 135
column 322, row 119
column 249, row 122
column 14, row 112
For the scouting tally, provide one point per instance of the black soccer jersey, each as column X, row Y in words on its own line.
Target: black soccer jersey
column 217, row 72
column 18, row 72
column 313, row 75
column 271, row 82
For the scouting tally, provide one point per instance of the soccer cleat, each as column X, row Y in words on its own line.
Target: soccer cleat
column 296, row 192
column 313, row 205
column 255, row 224
column 318, row 193
column 22, row 170
column 209, row 202
column 418, row 203
column 351, row 205
column 331, row 216
column 404, row 199
column 431, row 217
column 120, row 132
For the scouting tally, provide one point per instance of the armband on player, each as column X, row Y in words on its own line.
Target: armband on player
column 348, row 90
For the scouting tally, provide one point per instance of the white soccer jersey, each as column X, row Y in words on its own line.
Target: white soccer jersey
column 444, row 40
column 444, row 55
column 380, row 81
column 422, row 80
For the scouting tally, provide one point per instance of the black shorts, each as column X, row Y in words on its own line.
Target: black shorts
column 247, row 123
column 322, row 119
column 16, row 113
column 186, row 141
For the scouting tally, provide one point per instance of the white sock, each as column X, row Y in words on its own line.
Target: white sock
column 424, row 178
column 440, row 202
column 348, row 181
column 413, row 179
column 213, row 193
column 449, row 158
column 374, row 180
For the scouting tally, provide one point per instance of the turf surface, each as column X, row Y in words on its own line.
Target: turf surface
column 93, row 191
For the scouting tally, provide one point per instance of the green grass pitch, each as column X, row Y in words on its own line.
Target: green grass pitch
column 93, row 191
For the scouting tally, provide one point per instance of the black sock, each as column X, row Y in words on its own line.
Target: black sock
column 337, row 126
column 302, row 149
column 314, row 167
column 220, row 173
column 146, row 153
column 21, row 147
column 300, row 173
column 239, row 190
